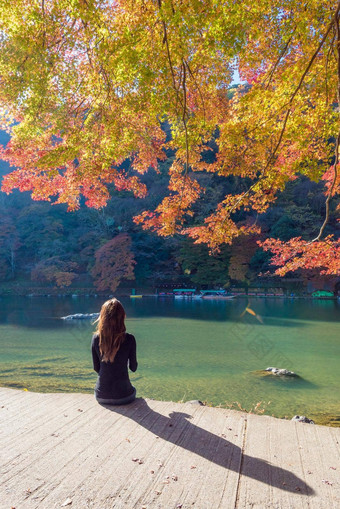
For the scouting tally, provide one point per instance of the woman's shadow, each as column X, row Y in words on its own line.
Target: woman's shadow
column 178, row 430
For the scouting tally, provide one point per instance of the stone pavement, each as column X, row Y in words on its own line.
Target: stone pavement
column 65, row 450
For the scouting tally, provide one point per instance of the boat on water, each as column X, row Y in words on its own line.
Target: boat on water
column 184, row 293
column 190, row 293
column 214, row 294
column 323, row 294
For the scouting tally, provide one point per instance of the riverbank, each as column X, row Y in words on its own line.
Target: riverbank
column 65, row 450
column 18, row 291
column 27, row 288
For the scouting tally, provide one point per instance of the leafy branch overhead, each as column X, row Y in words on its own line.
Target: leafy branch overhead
column 86, row 85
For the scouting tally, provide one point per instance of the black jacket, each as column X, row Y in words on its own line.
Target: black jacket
column 113, row 378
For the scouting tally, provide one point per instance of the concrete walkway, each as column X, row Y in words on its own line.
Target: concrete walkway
column 65, row 450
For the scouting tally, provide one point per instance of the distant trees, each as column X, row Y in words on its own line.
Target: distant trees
column 56, row 271
column 201, row 267
column 242, row 251
column 114, row 261
column 9, row 245
column 35, row 237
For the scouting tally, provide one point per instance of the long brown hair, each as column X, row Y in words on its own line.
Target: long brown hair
column 111, row 329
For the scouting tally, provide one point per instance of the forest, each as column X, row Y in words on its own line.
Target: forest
column 100, row 250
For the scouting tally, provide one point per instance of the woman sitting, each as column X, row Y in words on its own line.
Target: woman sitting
column 112, row 350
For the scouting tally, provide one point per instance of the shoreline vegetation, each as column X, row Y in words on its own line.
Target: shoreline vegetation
column 17, row 289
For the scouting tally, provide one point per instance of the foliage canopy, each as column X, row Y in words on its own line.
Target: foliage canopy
column 86, row 84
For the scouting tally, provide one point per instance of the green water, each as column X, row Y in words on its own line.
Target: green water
column 186, row 350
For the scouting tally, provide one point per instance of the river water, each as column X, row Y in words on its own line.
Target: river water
column 214, row 351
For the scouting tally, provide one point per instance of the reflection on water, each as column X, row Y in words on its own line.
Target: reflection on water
column 187, row 349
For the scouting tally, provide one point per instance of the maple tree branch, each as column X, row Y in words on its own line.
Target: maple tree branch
column 75, row 110
column 166, row 42
column 178, row 99
column 304, row 74
column 184, row 120
column 185, row 127
column 326, row 69
column 44, row 31
column 272, row 71
column 315, row 54
column 337, row 143
column 335, row 21
column 323, row 226
column 279, row 141
column 262, row 176
column 23, row 62
column 292, row 97
column 198, row 88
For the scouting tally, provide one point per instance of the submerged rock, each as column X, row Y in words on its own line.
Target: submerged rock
column 81, row 316
column 302, row 418
column 281, row 372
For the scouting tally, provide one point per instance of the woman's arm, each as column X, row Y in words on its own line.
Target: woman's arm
column 133, row 364
column 95, row 358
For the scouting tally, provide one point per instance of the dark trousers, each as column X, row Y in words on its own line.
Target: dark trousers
column 121, row 401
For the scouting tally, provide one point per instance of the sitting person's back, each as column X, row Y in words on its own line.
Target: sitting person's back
column 113, row 351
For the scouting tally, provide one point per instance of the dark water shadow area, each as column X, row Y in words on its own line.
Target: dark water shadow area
column 178, row 429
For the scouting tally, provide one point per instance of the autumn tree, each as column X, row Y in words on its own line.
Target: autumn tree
column 85, row 85
column 114, row 262
column 55, row 270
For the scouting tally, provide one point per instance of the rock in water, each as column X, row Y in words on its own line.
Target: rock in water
column 281, row 372
column 302, row 418
column 81, row 316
